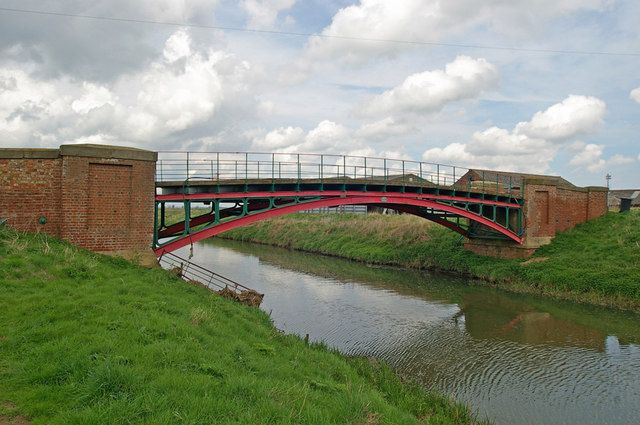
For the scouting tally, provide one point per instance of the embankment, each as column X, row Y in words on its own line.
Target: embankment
column 90, row 339
column 597, row 262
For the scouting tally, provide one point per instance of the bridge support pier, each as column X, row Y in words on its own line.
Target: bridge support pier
column 551, row 205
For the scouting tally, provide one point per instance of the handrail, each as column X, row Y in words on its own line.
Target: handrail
column 263, row 167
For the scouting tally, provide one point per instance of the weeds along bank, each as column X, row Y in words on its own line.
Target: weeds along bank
column 93, row 340
column 598, row 262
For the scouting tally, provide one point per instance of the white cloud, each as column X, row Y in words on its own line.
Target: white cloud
column 532, row 145
column 618, row 159
column 635, row 94
column 419, row 20
column 174, row 99
column 181, row 90
column 383, row 129
column 280, row 138
column 263, row 13
column 589, row 158
column 573, row 116
column 94, row 96
column 177, row 46
column 328, row 137
column 430, row 91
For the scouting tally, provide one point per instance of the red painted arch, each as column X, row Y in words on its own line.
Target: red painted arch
column 324, row 203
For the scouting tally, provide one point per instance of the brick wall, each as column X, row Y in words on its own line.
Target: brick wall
column 550, row 208
column 97, row 197
column 30, row 188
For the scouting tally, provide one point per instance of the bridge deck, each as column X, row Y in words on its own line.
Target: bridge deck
column 258, row 187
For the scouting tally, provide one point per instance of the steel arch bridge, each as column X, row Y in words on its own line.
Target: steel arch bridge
column 220, row 191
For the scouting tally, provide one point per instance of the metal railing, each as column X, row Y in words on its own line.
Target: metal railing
column 192, row 272
column 249, row 167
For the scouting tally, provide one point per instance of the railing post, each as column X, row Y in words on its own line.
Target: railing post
column 321, row 168
column 187, row 165
column 403, row 182
column 217, row 165
column 258, row 169
column 273, row 164
column 236, row 162
column 298, row 168
column 246, row 167
column 344, row 168
column 211, row 161
column 161, row 172
column 453, row 182
column 365, row 169
column 438, row 175
column 384, row 166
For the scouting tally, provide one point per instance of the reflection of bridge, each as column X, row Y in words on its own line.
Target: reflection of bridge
column 240, row 188
column 115, row 199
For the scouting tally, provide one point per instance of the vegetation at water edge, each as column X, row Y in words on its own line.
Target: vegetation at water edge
column 89, row 339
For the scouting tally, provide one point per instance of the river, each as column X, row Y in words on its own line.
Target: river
column 514, row 359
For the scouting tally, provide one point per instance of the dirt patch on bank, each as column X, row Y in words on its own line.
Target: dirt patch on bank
column 248, row 297
column 534, row 260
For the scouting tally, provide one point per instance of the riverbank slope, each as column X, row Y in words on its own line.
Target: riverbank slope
column 597, row 262
column 90, row 339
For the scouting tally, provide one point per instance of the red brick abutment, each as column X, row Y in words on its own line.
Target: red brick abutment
column 97, row 197
column 102, row 198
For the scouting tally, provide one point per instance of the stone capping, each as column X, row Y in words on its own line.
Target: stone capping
column 597, row 188
column 108, row 151
column 28, row 153
column 560, row 183
column 85, row 150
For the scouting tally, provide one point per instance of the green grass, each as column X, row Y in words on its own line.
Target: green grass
column 88, row 339
column 597, row 262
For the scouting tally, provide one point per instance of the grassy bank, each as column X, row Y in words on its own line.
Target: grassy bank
column 597, row 262
column 87, row 339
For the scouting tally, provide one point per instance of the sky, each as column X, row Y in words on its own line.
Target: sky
column 538, row 86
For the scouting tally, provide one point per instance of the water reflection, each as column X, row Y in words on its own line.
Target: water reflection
column 516, row 359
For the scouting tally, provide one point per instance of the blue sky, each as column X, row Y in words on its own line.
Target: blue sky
column 75, row 80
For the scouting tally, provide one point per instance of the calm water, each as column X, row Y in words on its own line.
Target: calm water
column 514, row 359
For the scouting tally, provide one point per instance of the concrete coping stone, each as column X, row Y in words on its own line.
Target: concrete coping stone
column 29, row 153
column 108, row 151
column 597, row 188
